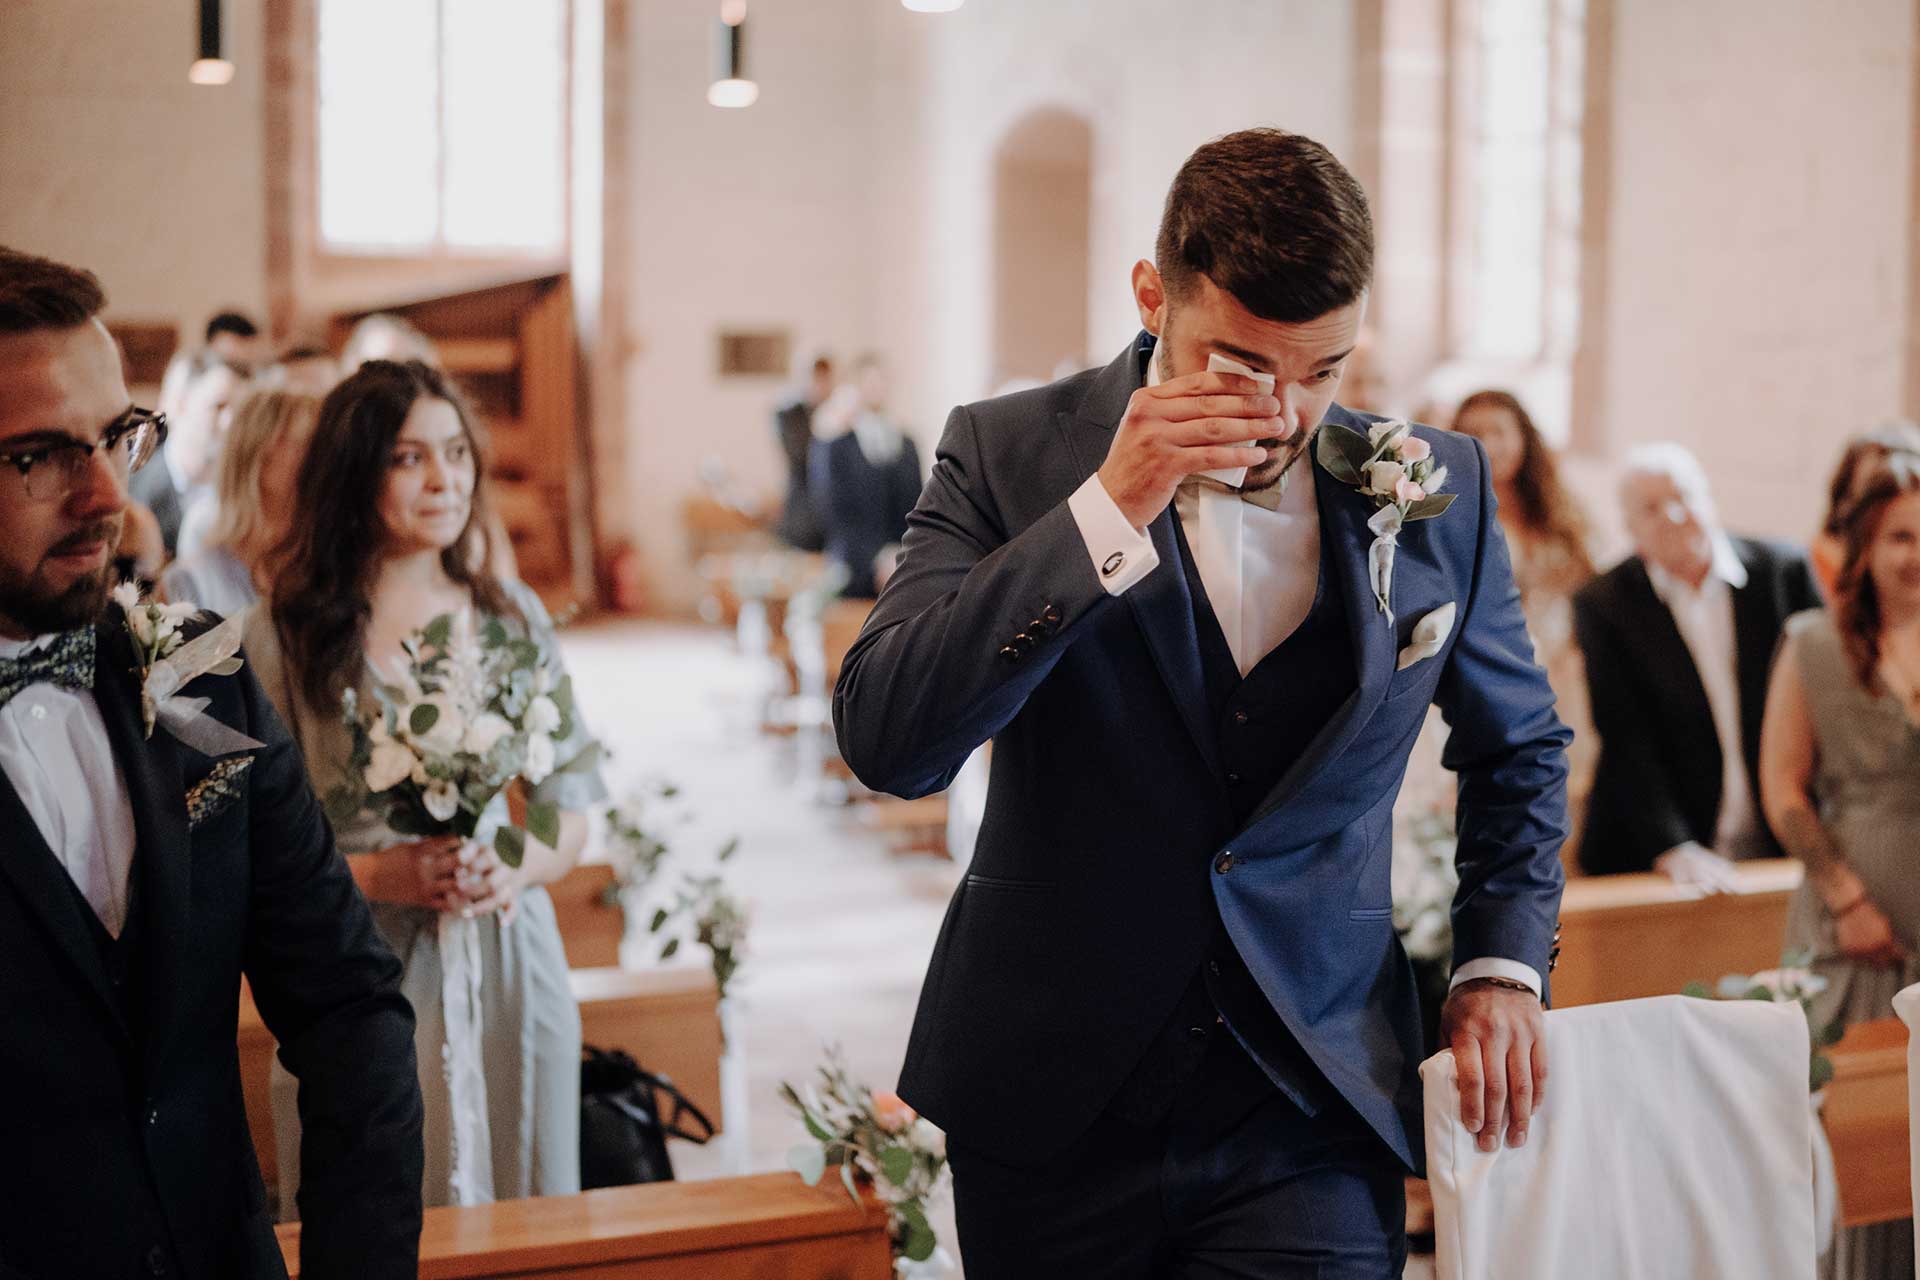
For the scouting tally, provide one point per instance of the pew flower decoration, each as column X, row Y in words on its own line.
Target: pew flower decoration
column 1794, row 982
column 166, row 661
column 875, row 1139
column 1425, row 879
column 699, row 909
column 1396, row 469
column 468, row 711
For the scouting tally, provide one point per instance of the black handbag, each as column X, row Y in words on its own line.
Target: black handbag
column 623, row 1139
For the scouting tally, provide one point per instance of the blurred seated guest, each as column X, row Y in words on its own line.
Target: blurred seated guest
column 196, row 396
column 142, row 554
column 799, row 525
column 385, row 336
column 254, row 505
column 391, row 534
column 865, row 477
column 306, row 369
column 235, row 339
column 1547, row 535
column 1678, row 640
column 1840, row 775
column 1861, row 458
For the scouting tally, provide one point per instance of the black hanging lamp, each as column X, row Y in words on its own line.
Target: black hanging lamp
column 731, row 86
column 212, row 66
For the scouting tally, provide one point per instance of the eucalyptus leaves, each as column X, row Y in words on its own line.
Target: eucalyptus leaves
column 471, row 709
column 874, row 1137
column 1396, row 469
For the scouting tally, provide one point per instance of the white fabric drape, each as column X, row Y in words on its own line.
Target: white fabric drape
column 1675, row 1144
column 472, row 1178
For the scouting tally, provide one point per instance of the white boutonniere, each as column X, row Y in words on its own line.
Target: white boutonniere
column 165, row 661
column 1396, row 469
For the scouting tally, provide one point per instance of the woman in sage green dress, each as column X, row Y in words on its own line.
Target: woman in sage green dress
column 1840, row 778
column 391, row 498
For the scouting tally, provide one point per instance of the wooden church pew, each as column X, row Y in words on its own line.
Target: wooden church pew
column 1623, row 937
column 590, row 926
column 766, row 1227
column 667, row 1018
column 1866, row 1121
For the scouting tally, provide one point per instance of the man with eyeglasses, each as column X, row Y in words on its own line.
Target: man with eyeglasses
column 140, row 878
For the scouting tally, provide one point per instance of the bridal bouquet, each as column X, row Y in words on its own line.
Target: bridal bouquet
column 877, row 1138
column 465, row 715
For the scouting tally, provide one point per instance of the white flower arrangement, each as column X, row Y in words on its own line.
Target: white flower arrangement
column 467, row 713
column 1396, row 469
column 166, row 661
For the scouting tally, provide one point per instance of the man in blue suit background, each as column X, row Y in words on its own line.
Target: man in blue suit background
column 1168, row 1026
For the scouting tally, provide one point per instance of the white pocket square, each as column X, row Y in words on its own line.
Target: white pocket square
column 1428, row 635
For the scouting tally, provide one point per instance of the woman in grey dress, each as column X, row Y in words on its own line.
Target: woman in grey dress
column 389, row 496
column 1840, row 778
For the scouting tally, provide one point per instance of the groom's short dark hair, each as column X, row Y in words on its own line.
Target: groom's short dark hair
column 39, row 293
column 1272, row 218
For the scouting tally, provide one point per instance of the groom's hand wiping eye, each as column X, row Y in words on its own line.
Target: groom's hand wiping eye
column 1186, row 425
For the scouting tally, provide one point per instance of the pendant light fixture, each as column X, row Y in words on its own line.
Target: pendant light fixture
column 211, row 67
column 731, row 87
column 933, row 6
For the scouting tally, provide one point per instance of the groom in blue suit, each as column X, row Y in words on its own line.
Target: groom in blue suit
column 1168, row 1025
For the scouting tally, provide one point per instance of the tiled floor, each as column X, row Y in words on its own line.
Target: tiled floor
column 841, row 929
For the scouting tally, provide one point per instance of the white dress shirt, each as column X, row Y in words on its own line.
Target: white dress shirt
column 1704, row 616
column 55, row 750
column 1260, row 568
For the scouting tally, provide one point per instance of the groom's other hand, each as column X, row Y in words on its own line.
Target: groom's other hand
column 1198, row 422
column 1499, row 1044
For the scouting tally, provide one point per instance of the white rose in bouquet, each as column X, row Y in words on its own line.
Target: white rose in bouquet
column 540, row 759
column 485, row 733
column 449, row 728
column 543, row 716
column 392, row 764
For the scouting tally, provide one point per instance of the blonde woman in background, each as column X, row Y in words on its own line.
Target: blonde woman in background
column 254, row 491
column 1548, row 538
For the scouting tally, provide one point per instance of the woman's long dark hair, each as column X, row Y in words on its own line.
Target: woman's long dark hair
column 326, row 567
column 1856, row 603
column 1546, row 508
column 1895, row 437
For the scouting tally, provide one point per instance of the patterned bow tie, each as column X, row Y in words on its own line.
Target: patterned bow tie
column 1267, row 498
column 67, row 661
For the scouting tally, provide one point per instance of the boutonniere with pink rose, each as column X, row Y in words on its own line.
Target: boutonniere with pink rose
column 1395, row 468
column 165, row 662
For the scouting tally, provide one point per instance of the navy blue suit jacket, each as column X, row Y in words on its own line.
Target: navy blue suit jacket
column 863, row 508
column 1094, row 886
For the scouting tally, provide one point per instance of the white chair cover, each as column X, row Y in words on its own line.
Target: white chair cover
column 1907, row 1005
column 1675, row 1144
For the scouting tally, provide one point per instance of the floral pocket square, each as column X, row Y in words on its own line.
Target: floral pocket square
column 210, row 796
column 1428, row 635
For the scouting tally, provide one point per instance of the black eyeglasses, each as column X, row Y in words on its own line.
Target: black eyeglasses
column 54, row 470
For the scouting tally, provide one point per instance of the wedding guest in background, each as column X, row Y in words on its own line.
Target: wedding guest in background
column 1840, row 775
column 1678, row 640
column 142, row 554
column 254, row 503
column 385, row 336
column 196, row 397
column 236, row 339
column 799, row 525
column 1547, row 535
column 865, row 479
column 306, row 368
column 141, row 879
column 1862, row 456
column 393, row 504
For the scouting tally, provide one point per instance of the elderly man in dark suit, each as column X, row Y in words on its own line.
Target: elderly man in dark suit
column 1679, row 639
column 141, row 876
column 1168, row 1025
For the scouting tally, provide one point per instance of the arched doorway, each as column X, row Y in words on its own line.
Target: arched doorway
column 1043, row 196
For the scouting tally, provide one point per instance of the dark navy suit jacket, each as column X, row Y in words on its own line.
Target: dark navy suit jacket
column 1096, row 877
column 862, row 507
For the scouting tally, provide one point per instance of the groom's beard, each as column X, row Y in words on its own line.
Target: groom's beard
column 1282, row 457
column 30, row 606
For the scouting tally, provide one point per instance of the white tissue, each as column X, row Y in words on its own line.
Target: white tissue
column 1217, row 363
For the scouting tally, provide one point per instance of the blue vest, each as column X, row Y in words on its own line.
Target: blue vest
column 1262, row 723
